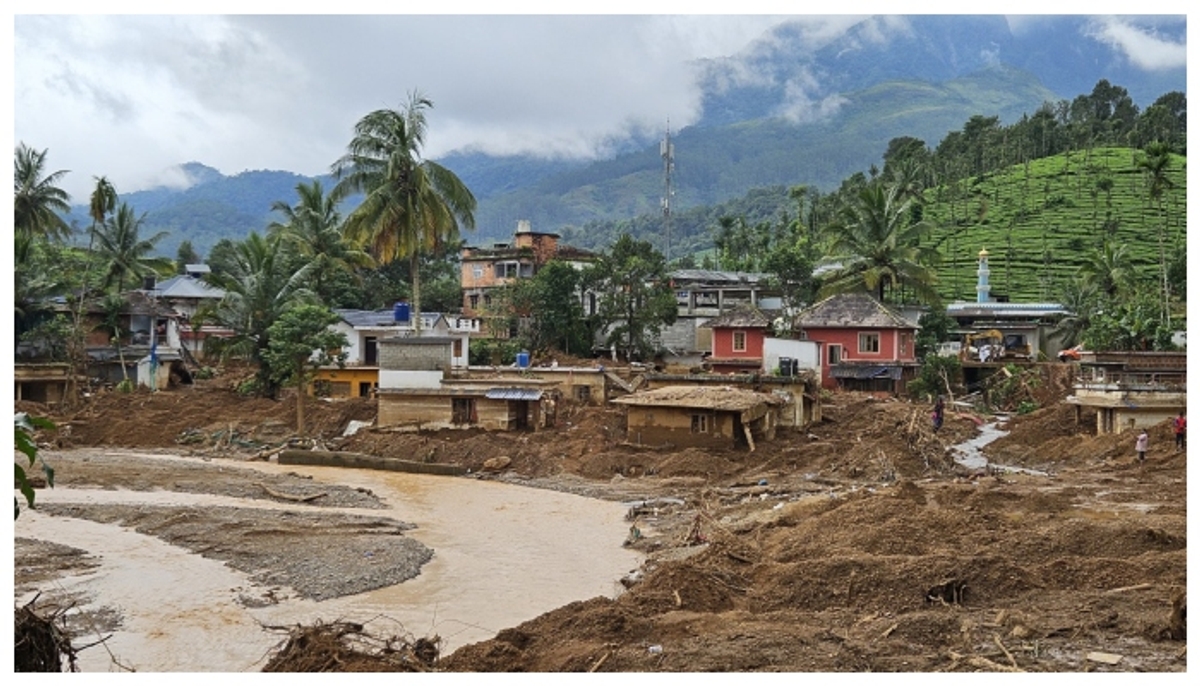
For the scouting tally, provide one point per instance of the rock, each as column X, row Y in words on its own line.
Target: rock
column 496, row 464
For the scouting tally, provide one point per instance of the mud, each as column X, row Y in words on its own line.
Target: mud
column 855, row 545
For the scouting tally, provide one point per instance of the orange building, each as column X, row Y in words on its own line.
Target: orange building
column 485, row 269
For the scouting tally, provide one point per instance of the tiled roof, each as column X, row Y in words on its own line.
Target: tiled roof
column 742, row 317
column 700, row 397
column 852, row 311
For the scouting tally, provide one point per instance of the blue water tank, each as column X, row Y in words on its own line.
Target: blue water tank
column 523, row 359
column 400, row 311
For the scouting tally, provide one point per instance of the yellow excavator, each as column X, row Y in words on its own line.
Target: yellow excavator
column 994, row 345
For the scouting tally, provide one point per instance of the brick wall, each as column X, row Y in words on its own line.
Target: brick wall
column 405, row 355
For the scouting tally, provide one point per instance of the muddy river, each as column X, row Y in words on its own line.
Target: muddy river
column 503, row 554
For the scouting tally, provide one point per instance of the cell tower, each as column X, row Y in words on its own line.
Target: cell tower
column 667, row 150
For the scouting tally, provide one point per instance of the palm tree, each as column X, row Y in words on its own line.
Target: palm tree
column 125, row 253
column 312, row 228
column 879, row 247
column 37, row 199
column 1154, row 165
column 102, row 203
column 33, row 283
column 258, row 288
column 412, row 204
column 1079, row 299
column 1108, row 269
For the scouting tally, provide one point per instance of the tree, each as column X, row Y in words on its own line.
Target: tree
column 552, row 297
column 126, row 254
column 879, row 248
column 1154, row 163
column 935, row 327
column 23, row 431
column 1134, row 323
column 37, row 199
column 1081, row 300
column 1108, row 268
column 311, row 227
column 300, row 342
column 259, row 288
column 112, row 307
column 186, row 254
column 637, row 297
column 790, row 269
column 411, row 204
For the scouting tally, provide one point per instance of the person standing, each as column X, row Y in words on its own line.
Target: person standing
column 939, row 414
column 1180, row 432
column 1143, row 442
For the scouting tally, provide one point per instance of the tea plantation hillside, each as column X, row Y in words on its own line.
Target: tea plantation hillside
column 1038, row 220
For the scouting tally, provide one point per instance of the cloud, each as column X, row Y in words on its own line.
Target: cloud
column 1142, row 47
column 130, row 96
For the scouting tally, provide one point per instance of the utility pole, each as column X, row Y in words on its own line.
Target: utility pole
column 667, row 151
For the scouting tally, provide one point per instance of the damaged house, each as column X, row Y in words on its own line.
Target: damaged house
column 701, row 416
column 416, row 392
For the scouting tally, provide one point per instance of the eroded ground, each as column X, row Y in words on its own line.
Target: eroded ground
column 857, row 545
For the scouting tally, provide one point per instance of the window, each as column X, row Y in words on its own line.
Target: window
column 462, row 410
column 904, row 340
column 457, row 348
column 477, row 270
column 739, row 341
column 583, row 393
column 474, row 300
column 868, row 342
column 700, row 424
column 835, row 354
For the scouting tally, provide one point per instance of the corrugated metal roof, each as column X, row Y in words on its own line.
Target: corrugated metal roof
column 865, row 372
column 185, row 286
column 513, row 394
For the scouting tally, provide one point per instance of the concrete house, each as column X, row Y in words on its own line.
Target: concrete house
column 701, row 295
column 867, row 346
column 1130, row 390
column 701, row 416
column 737, row 339
column 800, row 393
column 417, row 392
column 485, row 269
column 365, row 330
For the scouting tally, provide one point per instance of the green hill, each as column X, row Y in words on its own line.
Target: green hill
column 1038, row 220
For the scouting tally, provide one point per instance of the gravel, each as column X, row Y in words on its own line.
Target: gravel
column 318, row 555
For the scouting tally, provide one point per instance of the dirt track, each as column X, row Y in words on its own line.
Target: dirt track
column 856, row 546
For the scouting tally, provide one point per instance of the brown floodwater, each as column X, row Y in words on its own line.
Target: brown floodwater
column 503, row 554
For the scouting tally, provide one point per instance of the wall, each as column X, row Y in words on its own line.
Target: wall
column 346, row 383
column 435, row 411
column 419, row 354
column 656, row 426
column 807, row 352
column 889, row 347
column 686, row 336
column 722, row 343
column 393, row 378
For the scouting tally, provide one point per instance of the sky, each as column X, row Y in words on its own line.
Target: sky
column 131, row 96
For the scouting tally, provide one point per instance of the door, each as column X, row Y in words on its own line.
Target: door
column 370, row 351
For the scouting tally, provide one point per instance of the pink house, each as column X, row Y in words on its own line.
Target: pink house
column 737, row 340
column 867, row 346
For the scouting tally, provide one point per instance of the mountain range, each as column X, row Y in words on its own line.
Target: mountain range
column 785, row 110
